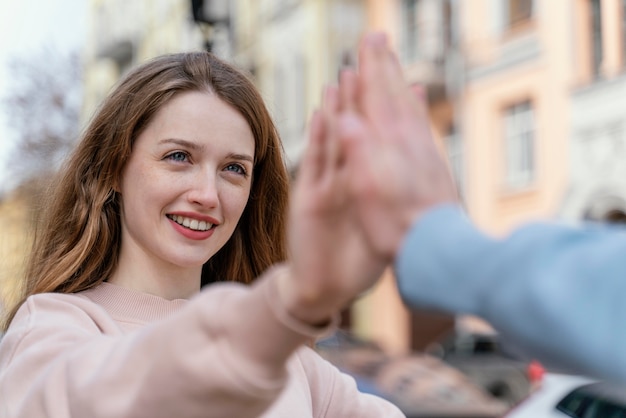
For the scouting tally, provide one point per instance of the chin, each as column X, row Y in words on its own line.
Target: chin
column 189, row 257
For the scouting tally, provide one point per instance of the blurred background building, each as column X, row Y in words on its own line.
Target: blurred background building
column 527, row 100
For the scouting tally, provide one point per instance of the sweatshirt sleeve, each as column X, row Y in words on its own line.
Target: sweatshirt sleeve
column 335, row 394
column 555, row 291
column 223, row 354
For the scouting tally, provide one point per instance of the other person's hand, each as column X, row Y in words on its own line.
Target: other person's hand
column 396, row 171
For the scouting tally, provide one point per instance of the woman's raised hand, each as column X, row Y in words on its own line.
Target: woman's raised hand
column 331, row 261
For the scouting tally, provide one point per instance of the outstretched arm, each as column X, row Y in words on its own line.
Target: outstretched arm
column 554, row 291
column 225, row 352
column 222, row 354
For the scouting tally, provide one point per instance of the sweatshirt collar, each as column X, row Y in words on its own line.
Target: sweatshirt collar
column 122, row 302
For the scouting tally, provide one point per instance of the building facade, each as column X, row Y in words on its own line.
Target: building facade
column 596, row 189
column 526, row 98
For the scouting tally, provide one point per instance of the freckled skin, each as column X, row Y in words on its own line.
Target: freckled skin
column 194, row 157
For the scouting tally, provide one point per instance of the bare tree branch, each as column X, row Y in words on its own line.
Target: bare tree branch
column 43, row 108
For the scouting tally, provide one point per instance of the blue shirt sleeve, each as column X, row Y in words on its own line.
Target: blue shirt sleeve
column 558, row 292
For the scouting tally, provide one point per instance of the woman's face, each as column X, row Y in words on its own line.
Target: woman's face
column 186, row 183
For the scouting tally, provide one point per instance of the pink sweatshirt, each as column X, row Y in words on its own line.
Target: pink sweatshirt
column 231, row 351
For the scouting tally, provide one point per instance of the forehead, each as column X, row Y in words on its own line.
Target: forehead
column 204, row 118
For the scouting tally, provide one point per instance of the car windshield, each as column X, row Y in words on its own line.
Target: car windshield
column 596, row 400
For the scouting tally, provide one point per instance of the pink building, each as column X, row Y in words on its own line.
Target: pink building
column 528, row 99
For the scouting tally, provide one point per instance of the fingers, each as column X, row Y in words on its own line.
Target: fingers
column 350, row 123
column 381, row 88
column 379, row 69
column 374, row 99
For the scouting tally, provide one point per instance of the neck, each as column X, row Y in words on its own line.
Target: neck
column 167, row 281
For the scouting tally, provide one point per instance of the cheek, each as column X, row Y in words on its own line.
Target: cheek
column 143, row 190
column 235, row 203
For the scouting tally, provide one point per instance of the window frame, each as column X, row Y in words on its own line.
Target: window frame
column 518, row 12
column 410, row 29
column 519, row 142
column 453, row 142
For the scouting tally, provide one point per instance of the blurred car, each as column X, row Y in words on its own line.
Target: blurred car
column 563, row 395
column 421, row 386
column 488, row 363
column 425, row 387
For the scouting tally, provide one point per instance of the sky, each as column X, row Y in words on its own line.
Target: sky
column 25, row 27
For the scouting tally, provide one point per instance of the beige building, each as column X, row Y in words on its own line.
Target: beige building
column 295, row 48
column 528, row 100
column 13, row 247
column 15, row 240
column 125, row 33
column 291, row 48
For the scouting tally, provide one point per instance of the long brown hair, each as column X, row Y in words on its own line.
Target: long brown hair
column 77, row 239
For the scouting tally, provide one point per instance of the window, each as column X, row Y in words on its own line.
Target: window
column 595, row 400
column 623, row 23
column 574, row 404
column 290, row 99
column 279, row 89
column 519, row 11
column 410, row 29
column 596, row 37
column 448, row 29
column 519, row 137
column 426, row 30
column 299, row 94
column 454, row 149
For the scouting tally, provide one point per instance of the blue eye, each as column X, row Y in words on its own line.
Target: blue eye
column 237, row 168
column 178, row 156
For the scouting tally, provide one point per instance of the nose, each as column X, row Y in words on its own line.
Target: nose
column 204, row 191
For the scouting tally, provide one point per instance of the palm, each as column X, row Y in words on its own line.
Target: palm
column 331, row 258
column 327, row 242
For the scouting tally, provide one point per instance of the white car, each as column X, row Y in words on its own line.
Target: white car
column 562, row 395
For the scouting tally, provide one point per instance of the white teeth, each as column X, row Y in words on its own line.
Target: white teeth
column 194, row 224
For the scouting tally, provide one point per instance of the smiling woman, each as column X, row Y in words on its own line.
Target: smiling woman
column 173, row 189
column 179, row 181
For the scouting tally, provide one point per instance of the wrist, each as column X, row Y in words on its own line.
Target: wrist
column 303, row 305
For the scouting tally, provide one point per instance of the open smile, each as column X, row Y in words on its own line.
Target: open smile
column 189, row 223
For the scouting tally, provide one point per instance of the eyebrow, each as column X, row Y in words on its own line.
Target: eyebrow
column 181, row 142
column 243, row 157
